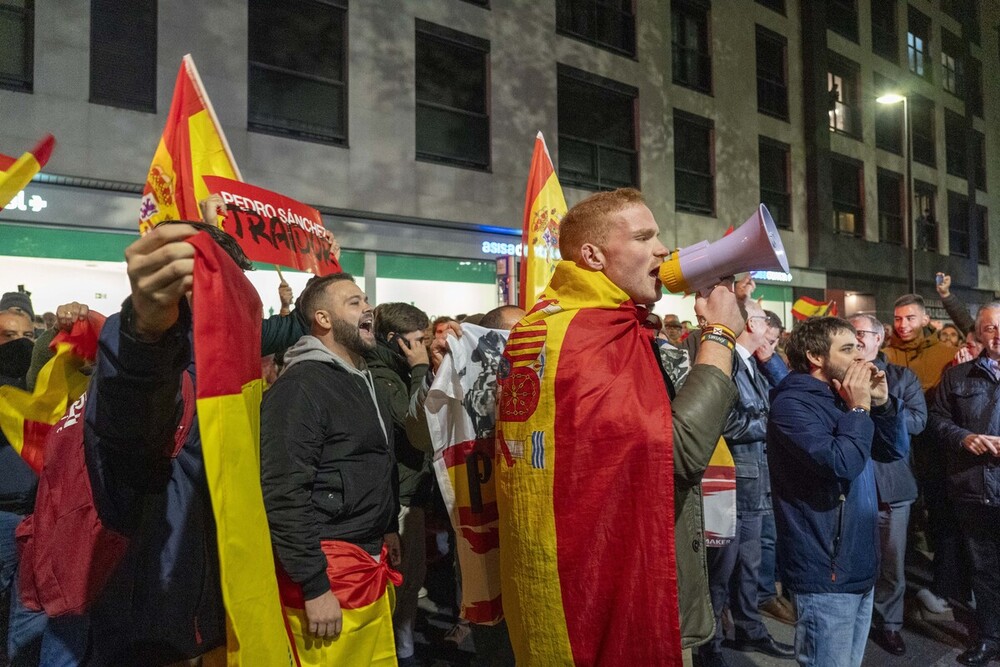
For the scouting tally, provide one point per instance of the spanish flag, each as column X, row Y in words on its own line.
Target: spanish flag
column 544, row 208
column 192, row 146
column 15, row 174
column 27, row 417
column 804, row 308
column 585, row 489
column 227, row 323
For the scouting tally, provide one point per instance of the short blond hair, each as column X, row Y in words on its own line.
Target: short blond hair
column 590, row 220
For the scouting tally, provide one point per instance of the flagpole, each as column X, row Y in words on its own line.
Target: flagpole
column 203, row 96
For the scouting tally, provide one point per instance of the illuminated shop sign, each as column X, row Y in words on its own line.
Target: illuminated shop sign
column 772, row 276
column 21, row 203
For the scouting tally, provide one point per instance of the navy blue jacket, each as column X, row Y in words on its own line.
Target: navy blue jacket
column 164, row 603
column 823, row 484
column 966, row 401
column 895, row 480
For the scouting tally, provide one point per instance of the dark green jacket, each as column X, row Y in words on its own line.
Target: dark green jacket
column 404, row 390
column 700, row 411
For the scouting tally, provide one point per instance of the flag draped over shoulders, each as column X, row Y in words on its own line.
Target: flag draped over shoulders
column 584, row 470
column 227, row 323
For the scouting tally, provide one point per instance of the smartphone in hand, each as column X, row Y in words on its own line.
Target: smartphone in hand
column 394, row 337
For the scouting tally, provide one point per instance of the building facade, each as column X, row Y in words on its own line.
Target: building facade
column 409, row 125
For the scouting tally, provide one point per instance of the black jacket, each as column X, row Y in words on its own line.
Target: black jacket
column 327, row 466
column 403, row 390
column 967, row 400
column 894, row 480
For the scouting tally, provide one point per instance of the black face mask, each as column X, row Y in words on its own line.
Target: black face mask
column 15, row 358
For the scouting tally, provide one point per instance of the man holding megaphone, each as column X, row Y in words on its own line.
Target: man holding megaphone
column 594, row 446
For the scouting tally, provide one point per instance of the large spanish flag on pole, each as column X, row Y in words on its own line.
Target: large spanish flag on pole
column 544, row 208
column 584, row 482
column 27, row 417
column 227, row 326
column 16, row 173
column 193, row 145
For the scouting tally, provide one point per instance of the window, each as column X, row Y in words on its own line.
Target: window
column 298, row 70
column 772, row 73
column 609, row 24
column 453, row 120
column 951, row 63
column 694, row 163
column 952, row 8
column 924, row 205
column 842, row 84
column 692, row 52
column 481, row 3
column 918, row 51
column 842, row 18
column 888, row 119
column 846, row 177
column 775, row 186
column 977, row 150
column 982, row 235
column 971, row 27
column 17, row 44
column 955, row 143
column 775, row 5
column 885, row 41
column 922, row 130
column 974, row 87
column 123, row 54
column 597, row 145
column 890, row 207
column 958, row 224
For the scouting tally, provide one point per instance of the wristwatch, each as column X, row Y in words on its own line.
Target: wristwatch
column 859, row 410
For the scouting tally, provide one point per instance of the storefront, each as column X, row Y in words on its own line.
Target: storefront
column 66, row 243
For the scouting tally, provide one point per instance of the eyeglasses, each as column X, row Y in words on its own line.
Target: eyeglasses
column 672, row 326
column 861, row 332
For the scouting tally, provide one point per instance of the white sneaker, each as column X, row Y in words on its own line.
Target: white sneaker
column 933, row 603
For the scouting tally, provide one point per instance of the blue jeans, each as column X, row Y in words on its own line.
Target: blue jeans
column 832, row 628
column 768, row 560
column 33, row 638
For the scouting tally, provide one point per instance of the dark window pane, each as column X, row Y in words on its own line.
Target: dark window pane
column 951, row 64
column 453, row 123
column 123, row 53
column 955, row 143
column 776, row 5
column 890, row 211
column 774, row 181
column 597, row 147
column 982, row 235
column 293, row 105
column 978, row 156
column 297, row 83
column 609, row 24
column 885, row 41
column 922, row 119
column 694, row 174
column 772, row 81
column 958, row 224
column 848, row 205
column 974, row 87
column 842, row 17
column 692, row 55
column 17, row 29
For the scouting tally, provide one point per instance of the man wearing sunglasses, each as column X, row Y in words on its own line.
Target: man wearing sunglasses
column 897, row 489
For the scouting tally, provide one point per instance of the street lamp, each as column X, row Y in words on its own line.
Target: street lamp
column 896, row 98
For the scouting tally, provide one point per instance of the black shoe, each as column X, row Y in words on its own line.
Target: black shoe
column 766, row 645
column 980, row 654
column 890, row 640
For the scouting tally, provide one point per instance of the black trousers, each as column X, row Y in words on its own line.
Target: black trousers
column 981, row 530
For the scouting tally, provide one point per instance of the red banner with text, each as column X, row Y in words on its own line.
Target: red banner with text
column 273, row 228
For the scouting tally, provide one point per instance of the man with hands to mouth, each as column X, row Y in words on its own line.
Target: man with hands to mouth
column 831, row 417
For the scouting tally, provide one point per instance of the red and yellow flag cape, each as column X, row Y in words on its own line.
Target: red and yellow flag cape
column 27, row 417
column 227, row 324
column 585, row 493
column 544, row 208
column 192, row 145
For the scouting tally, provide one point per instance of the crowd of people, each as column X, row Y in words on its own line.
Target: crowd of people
column 842, row 432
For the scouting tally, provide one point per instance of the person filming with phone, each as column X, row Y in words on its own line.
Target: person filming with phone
column 399, row 364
